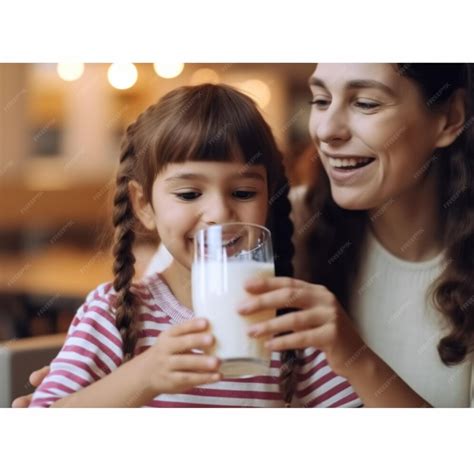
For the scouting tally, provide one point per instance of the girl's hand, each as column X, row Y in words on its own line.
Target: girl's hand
column 173, row 368
column 320, row 322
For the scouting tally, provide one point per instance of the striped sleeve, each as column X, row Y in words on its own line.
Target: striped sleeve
column 92, row 350
column 319, row 386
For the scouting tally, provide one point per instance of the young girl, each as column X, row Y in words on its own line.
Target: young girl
column 390, row 252
column 200, row 156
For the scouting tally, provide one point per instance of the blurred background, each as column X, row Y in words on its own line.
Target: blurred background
column 60, row 131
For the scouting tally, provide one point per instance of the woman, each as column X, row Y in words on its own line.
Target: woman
column 386, row 235
column 392, row 238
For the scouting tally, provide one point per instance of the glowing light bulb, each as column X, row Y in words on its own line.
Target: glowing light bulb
column 122, row 76
column 259, row 90
column 168, row 70
column 204, row 75
column 70, row 71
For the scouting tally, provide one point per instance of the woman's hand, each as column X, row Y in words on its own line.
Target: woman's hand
column 35, row 379
column 319, row 322
column 172, row 365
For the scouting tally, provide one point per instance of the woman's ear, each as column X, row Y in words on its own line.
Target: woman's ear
column 453, row 119
column 141, row 206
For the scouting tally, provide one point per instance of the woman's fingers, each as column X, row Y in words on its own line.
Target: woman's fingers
column 22, row 402
column 262, row 285
column 194, row 363
column 291, row 322
column 37, row 376
column 276, row 293
column 35, row 379
column 282, row 298
column 316, row 337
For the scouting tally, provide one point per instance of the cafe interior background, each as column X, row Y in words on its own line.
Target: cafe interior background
column 60, row 132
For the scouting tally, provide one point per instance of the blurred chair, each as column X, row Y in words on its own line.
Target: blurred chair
column 19, row 358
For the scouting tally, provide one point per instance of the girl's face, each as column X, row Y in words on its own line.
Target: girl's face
column 189, row 196
column 374, row 132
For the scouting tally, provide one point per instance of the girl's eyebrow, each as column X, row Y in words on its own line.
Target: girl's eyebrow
column 187, row 176
column 355, row 84
column 202, row 177
column 248, row 174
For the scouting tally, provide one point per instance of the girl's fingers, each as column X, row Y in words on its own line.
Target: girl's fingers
column 193, row 325
column 186, row 343
column 291, row 322
column 190, row 379
column 194, row 363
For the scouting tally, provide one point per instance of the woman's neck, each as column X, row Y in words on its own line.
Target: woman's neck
column 409, row 226
column 178, row 278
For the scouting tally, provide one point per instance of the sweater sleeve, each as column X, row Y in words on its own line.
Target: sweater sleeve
column 92, row 350
column 318, row 386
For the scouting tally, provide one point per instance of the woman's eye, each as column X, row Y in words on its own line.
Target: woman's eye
column 244, row 194
column 366, row 105
column 320, row 103
column 188, row 196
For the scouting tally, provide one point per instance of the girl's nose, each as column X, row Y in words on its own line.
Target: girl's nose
column 218, row 211
column 330, row 126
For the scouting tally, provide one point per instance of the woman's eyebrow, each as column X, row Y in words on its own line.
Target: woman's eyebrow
column 355, row 84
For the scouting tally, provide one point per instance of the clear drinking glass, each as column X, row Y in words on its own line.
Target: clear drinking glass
column 225, row 256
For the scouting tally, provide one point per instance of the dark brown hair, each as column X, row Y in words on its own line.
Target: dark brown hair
column 335, row 227
column 200, row 123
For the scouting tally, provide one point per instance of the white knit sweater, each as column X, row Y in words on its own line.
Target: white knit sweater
column 399, row 322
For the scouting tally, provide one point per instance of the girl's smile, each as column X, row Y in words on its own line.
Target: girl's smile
column 190, row 196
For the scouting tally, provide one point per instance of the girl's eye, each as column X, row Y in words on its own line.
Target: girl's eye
column 320, row 103
column 244, row 195
column 366, row 105
column 188, row 196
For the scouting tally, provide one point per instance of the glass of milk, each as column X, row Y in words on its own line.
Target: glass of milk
column 225, row 257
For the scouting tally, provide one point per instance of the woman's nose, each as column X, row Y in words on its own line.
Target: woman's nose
column 330, row 125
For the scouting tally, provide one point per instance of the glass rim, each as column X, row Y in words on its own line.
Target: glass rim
column 248, row 224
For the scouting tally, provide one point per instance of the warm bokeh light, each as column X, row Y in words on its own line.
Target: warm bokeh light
column 70, row 71
column 168, row 70
column 258, row 90
column 122, row 76
column 204, row 75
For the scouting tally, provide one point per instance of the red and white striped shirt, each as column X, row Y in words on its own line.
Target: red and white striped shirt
column 93, row 349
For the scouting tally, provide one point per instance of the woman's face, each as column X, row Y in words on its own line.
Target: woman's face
column 374, row 132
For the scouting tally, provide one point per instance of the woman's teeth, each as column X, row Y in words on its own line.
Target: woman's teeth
column 349, row 162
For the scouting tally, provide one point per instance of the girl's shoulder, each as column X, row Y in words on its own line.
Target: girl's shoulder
column 99, row 308
column 101, row 302
column 105, row 292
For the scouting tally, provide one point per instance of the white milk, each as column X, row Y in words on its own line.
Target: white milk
column 217, row 289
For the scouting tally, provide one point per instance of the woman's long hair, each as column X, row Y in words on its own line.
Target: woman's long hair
column 337, row 228
column 200, row 123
